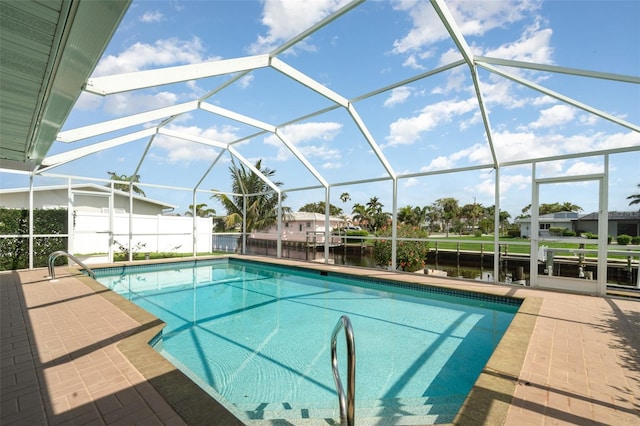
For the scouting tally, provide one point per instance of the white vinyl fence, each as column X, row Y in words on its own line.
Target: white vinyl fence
column 92, row 230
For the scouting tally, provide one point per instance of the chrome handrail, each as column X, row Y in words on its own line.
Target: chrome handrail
column 347, row 403
column 53, row 256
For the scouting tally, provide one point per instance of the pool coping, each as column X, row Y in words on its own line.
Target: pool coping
column 489, row 398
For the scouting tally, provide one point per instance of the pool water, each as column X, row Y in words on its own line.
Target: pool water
column 258, row 336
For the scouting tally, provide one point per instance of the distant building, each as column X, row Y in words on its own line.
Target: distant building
column 96, row 232
column 546, row 222
column 619, row 223
column 301, row 227
column 84, row 198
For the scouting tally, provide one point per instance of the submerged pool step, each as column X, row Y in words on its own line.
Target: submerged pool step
column 397, row 411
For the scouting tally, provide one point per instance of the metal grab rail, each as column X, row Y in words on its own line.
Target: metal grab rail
column 53, row 256
column 347, row 403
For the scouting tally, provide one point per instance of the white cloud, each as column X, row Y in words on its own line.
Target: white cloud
column 408, row 183
column 584, row 168
column 246, row 81
column 398, row 96
column 486, row 185
column 305, row 132
column 616, row 140
column 588, row 119
column 439, row 163
column 516, row 146
column 332, row 165
column 302, row 136
column 405, row 131
column 285, row 19
column 533, row 46
column 178, row 150
column 129, row 103
column 152, row 16
column 473, row 19
column 555, row 116
column 511, row 146
column 140, row 56
column 88, row 101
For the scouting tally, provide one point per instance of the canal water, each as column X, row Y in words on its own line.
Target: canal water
column 512, row 268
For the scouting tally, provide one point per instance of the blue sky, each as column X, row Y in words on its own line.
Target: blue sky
column 430, row 125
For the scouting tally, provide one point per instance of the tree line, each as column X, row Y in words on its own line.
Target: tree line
column 443, row 215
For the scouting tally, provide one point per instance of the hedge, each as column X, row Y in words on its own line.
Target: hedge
column 14, row 251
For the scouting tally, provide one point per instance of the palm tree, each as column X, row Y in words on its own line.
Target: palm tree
column 472, row 212
column 420, row 215
column 449, row 211
column 414, row 216
column 126, row 187
column 374, row 205
column 635, row 198
column 360, row 214
column 344, row 197
column 201, row 210
column 405, row 215
column 262, row 205
column 433, row 216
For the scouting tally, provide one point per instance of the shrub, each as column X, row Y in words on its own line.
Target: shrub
column 477, row 233
column 623, row 239
column 568, row 233
column 410, row 255
column 513, row 233
column 556, row 230
column 355, row 236
column 124, row 250
column 14, row 252
column 635, row 240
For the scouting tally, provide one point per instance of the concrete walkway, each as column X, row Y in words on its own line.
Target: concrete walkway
column 69, row 356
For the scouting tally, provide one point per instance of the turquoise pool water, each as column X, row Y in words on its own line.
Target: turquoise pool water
column 258, row 336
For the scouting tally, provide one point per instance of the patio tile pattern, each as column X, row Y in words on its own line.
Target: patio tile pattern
column 75, row 353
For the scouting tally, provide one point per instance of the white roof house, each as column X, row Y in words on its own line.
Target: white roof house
column 302, row 226
column 81, row 197
column 547, row 221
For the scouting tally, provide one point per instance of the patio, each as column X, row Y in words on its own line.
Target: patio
column 74, row 353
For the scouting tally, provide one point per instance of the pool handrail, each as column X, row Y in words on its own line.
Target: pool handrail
column 347, row 403
column 53, row 256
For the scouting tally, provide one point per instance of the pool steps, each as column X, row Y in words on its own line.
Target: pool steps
column 392, row 411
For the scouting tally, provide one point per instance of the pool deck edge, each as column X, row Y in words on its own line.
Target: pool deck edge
column 191, row 403
column 74, row 351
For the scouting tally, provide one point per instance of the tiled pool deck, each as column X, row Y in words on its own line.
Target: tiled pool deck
column 74, row 353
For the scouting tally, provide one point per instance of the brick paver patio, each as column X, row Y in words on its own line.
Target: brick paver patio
column 67, row 358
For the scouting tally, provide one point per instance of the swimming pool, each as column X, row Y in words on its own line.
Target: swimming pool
column 257, row 337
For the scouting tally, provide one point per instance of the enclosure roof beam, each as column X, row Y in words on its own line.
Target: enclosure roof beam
column 454, row 31
column 213, row 163
column 295, row 151
column 372, row 143
column 323, row 23
column 65, row 157
column 559, row 70
column 251, row 167
column 85, row 132
column 485, row 117
column 192, row 138
column 305, row 80
column 237, row 117
column 409, row 80
column 561, row 97
column 126, row 82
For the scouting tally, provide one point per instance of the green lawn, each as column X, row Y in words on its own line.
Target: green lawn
column 119, row 257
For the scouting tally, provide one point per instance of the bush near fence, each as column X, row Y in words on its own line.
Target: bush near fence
column 14, row 246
